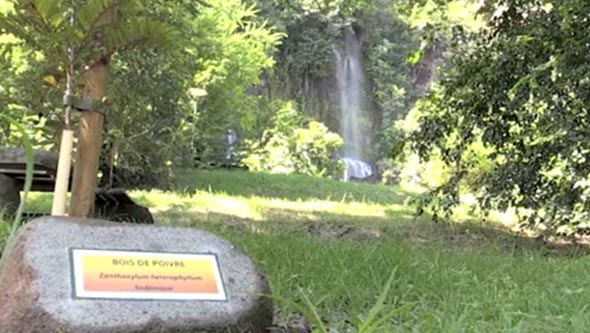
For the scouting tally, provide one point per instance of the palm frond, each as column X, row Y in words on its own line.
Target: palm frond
column 136, row 33
column 18, row 27
column 32, row 11
column 97, row 13
column 102, row 27
column 50, row 11
column 36, row 22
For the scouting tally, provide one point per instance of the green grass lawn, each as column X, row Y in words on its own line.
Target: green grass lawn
column 332, row 246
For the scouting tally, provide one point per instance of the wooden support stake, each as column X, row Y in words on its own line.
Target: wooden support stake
column 64, row 168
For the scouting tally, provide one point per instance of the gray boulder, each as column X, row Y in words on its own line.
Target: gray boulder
column 37, row 293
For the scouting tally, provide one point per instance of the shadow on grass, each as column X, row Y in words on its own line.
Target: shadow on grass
column 394, row 224
column 370, row 230
column 290, row 187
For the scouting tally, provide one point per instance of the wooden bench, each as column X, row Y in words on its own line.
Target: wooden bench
column 13, row 164
column 113, row 205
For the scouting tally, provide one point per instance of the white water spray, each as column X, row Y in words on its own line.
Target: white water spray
column 351, row 80
column 349, row 73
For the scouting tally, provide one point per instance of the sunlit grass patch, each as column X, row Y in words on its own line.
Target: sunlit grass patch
column 288, row 187
column 39, row 202
column 264, row 197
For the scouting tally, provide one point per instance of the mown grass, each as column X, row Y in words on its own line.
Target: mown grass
column 438, row 289
column 287, row 187
column 337, row 244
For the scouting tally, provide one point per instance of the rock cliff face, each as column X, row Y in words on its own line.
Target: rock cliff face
column 425, row 71
column 338, row 95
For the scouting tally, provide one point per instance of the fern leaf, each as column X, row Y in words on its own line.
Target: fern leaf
column 137, row 33
column 96, row 13
column 49, row 10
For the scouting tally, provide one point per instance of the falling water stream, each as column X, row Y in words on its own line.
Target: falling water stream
column 349, row 73
column 351, row 81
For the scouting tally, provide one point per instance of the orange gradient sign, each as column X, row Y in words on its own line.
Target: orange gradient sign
column 146, row 275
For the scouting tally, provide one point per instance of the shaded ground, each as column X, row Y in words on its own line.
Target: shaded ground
column 422, row 233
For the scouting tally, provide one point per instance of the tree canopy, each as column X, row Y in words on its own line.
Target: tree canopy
column 510, row 118
column 214, row 45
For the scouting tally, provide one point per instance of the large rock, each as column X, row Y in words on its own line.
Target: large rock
column 37, row 293
column 9, row 195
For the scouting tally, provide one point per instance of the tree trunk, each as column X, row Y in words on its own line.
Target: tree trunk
column 89, row 143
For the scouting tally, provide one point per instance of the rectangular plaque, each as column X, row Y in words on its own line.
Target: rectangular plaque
column 138, row 275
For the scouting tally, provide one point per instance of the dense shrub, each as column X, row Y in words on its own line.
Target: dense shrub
column 295, row 145
column 520, row 92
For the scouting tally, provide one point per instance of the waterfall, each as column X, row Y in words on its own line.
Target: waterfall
column 351, row 82
column 350, row 76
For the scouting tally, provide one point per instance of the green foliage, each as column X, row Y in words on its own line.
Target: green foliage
column 306, row 61
column 224, row 52
column 295, row 145
column 375, row 321
column 520, row 92
column 404, row 63
column 219, row 46
column 390, row 42
column 425, row 14
column 441, row 290
column 283, row 13
column 149, row 132
column 5, row 227
column 454, row 278
column 47, row 35
column 231, row 51
column 305, row 69
column 96, row 29
column 24, row 96
column 309, row 49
